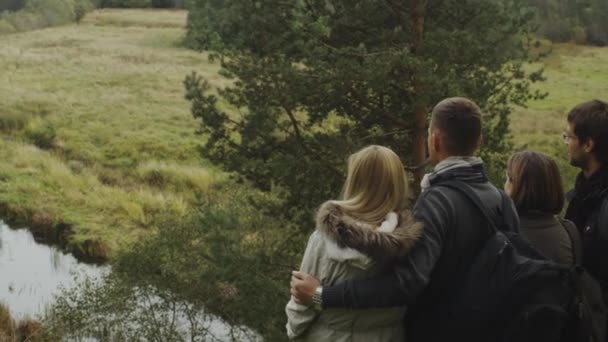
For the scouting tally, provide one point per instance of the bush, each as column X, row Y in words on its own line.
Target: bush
column 40, row 14
column 7, row 324
column 557, row 31
column 11, row 330
column 597, row 33
column 143, row 3
column 12, row 121
column 125, row 3
column 6, row 27
column 178, row 178
column 41, row 133
column 210, row 265
column 11, row 5
column 579, row 35
column 26, row 20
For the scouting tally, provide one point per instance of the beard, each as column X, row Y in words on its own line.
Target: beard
column 579, row 161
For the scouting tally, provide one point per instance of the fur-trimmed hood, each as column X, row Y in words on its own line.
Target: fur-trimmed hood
column 348, row 232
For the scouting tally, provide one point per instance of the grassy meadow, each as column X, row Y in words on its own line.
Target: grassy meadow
column 574, row 74
column 97, row 135
column 97, row 138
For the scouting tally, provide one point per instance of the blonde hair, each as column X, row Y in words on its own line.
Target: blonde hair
column 376, row 184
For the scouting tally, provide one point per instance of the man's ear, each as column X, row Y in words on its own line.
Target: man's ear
column 588, row 145
column 436, row 141
column 480, row 141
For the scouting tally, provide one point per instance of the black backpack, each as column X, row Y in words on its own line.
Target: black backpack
column 587, row 320
column 511, row 292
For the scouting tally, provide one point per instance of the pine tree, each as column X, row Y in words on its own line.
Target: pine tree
column 315, row 80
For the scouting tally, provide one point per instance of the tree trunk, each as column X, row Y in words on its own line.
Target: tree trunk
column 419, row 150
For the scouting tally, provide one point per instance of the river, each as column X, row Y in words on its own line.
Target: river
column 31, row 273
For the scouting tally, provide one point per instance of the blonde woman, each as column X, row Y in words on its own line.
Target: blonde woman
column 371, row 212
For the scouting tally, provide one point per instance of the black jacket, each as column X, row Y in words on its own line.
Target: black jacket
column 588, row 209
column 454, row 231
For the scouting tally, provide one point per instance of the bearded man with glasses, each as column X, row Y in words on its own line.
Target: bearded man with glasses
column 587, row 140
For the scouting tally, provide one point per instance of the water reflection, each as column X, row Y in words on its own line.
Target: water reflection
column 31, row 273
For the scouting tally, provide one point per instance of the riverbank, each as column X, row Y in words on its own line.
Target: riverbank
column 20, row 330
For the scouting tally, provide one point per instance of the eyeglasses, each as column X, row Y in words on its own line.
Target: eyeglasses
column 567, row 137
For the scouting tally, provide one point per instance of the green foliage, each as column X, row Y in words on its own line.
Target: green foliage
column 11, row 5
column 178, row 178
column 125, row 3
column 316, row 80
column 143, row 3
column 41, row 133
column 6, row 27
column 40, row 14
column 225, row 259
column 580, row 21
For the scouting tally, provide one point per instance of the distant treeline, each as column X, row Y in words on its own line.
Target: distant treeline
column 142, row 3
column 11, row 5
column 24, row 15
column 15, row 5
column 578, row 21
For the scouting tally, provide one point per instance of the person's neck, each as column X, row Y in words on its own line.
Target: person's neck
column 591, row 168
column 445, row 157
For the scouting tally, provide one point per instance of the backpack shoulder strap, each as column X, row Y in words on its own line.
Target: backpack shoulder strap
column 466, row 190
column 575, row 239
column 602, row 218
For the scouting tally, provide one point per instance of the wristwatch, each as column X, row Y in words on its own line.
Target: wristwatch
column 317, row 299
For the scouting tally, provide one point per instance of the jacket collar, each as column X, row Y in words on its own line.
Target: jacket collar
column 349, row 232
column 467, row 169
column 592, row 188
column 537, row 220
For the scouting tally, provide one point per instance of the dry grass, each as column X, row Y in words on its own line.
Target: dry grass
column 105, row 100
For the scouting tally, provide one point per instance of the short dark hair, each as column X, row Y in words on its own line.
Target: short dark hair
column 459, row 121
column 590, row 121
column 536, row 185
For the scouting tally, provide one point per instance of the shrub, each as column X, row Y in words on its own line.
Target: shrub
column 557, row 31
column 579, row 35
column 201, row 266
column 597, row 33
column 7, row 324
column 125, row 3
column 39, row 14
column 12, row 120
column 180, row 178
column 11, row 5
column 41, row 133
column 6, row 27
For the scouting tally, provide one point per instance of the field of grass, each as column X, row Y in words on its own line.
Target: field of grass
column 97, row 135
column 98, row 140
column 574, row 74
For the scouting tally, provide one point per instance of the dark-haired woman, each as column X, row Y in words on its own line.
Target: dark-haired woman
column 534, row 184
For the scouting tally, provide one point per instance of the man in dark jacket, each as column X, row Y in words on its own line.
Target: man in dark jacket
column 587, row 140
column 454, row 231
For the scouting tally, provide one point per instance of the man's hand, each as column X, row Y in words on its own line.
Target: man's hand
column 303, row 286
